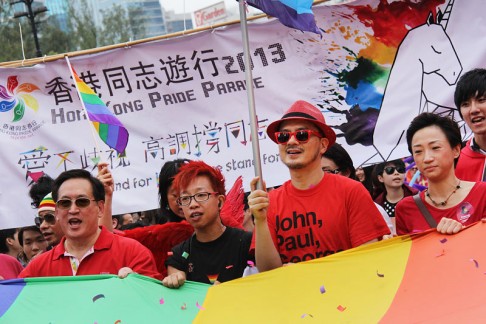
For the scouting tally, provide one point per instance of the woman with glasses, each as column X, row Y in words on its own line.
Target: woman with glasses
column 449, row 203
column 389, row 186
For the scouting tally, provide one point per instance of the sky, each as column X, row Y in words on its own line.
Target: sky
column 193, row 5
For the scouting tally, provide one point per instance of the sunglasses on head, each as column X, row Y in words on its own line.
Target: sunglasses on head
column 79, row 202
column 302, row 136
column 49, row 218
column 391, row 170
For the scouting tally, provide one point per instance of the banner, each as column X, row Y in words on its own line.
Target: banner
column 377, row 65
column 427, row 278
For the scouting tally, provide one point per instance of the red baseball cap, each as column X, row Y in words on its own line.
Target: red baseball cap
column 302, row 110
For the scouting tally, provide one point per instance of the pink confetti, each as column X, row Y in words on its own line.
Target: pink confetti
column 170, row 253
column 476, row 263
column 161, row 301
column 183, row 307
column 440, row 254
column 250, row 263
column 443, row 240
column 322, row 289
column 304, row 315
column 229, row 267
column 199, row 306
column 379, row 274
column 341, row 308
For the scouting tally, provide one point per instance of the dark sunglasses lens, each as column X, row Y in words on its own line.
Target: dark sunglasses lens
column 38, row 221
column 82, row 202
column 400, row 169
column 283, row 137
column 302, row 136
column 50, row 218
column 63, row 203
column 389, row 170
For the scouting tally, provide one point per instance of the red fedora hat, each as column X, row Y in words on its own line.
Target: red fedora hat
column 302, row 110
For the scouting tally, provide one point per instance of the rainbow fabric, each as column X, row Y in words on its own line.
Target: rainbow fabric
column 109, row 128
column 424, row 278
column 291, row 13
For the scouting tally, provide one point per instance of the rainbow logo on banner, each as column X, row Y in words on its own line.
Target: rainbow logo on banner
column 17, row 97
column 424, row 278
column 108, row 127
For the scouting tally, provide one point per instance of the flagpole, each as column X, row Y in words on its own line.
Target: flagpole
column 255, row 144
column 82, row 104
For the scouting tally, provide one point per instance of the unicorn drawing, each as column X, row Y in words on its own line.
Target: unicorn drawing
column 425, row 50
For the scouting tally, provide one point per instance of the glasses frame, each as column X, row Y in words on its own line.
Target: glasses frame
column 191, row 197
column 391, row 170
column 76, row 202
column 38, row 220
column 336, row 171
column 297, row 134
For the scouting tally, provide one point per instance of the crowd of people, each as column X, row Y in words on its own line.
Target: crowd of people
column 202, row 233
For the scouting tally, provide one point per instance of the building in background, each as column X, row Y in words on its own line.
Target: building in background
column 58, row 12
column 177, row 22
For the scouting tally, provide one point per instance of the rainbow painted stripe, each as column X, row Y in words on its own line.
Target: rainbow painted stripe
column 424, row 278
column 109, row 128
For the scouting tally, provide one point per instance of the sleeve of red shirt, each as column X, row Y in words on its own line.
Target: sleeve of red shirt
column 365, row 221
column 141, row 261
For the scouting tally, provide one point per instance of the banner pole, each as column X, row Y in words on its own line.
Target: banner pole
column 255, row 144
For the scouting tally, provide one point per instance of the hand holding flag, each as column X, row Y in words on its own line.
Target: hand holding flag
column 108, row 127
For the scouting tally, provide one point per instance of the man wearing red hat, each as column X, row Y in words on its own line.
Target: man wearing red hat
column 314, row 214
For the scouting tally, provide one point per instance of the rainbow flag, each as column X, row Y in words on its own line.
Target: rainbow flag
column 425, row 278
column 108, row 127
column 291, row 13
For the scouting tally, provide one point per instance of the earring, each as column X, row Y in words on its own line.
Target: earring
column 167, row 207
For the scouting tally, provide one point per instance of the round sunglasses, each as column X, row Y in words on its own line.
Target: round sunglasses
column 302, row 136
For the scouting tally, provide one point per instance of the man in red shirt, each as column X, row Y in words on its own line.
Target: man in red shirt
column 315, row 214
column 86, row 248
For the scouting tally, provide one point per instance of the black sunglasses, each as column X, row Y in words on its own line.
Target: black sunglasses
column 49, row 218
column 390, row 170
column 79, row 202
column 302, row 136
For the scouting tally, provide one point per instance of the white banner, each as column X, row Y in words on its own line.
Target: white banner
column 185, row 97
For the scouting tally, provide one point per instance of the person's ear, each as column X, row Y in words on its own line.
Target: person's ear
column 324, row 145
column 380, row 178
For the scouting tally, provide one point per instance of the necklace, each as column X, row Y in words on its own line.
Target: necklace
column 443, row 203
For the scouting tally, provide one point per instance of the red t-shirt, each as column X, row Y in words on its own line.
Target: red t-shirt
column 10, row 267
column 111, row 253
column 335, row 215
column 409, row 219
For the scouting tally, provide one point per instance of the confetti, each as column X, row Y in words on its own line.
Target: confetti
column 185, row 255
column 183, row 307
column 440, row 254
column 95, row 298
column 199, row 306
column 170, row 253
column 322, row 289
column 476, row 263
column 161, row 301
column 117, row 321
column 229, row 267
column 443, row 240
column 304, row 315
column 379, row 274
column 341, row 308
column 250, row 263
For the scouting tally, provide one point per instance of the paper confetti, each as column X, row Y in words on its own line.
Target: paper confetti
column 170, row 253
column 95, row 298
column 379, row 274
column 476, row 263
column 341, row 308
column 440, row 254
column 199, row 306
column 250, row 263
column 304, row 315
column 322, row 289
column 183, row 307
column 229, row 267
column 161, row 301
column 185, row 255
column 117, row 321
column 443, row 240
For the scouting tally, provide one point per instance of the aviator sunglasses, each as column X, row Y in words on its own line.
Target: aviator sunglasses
column 390, row 170
column 49, row 218
column 79, row 202
column 302, row 136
